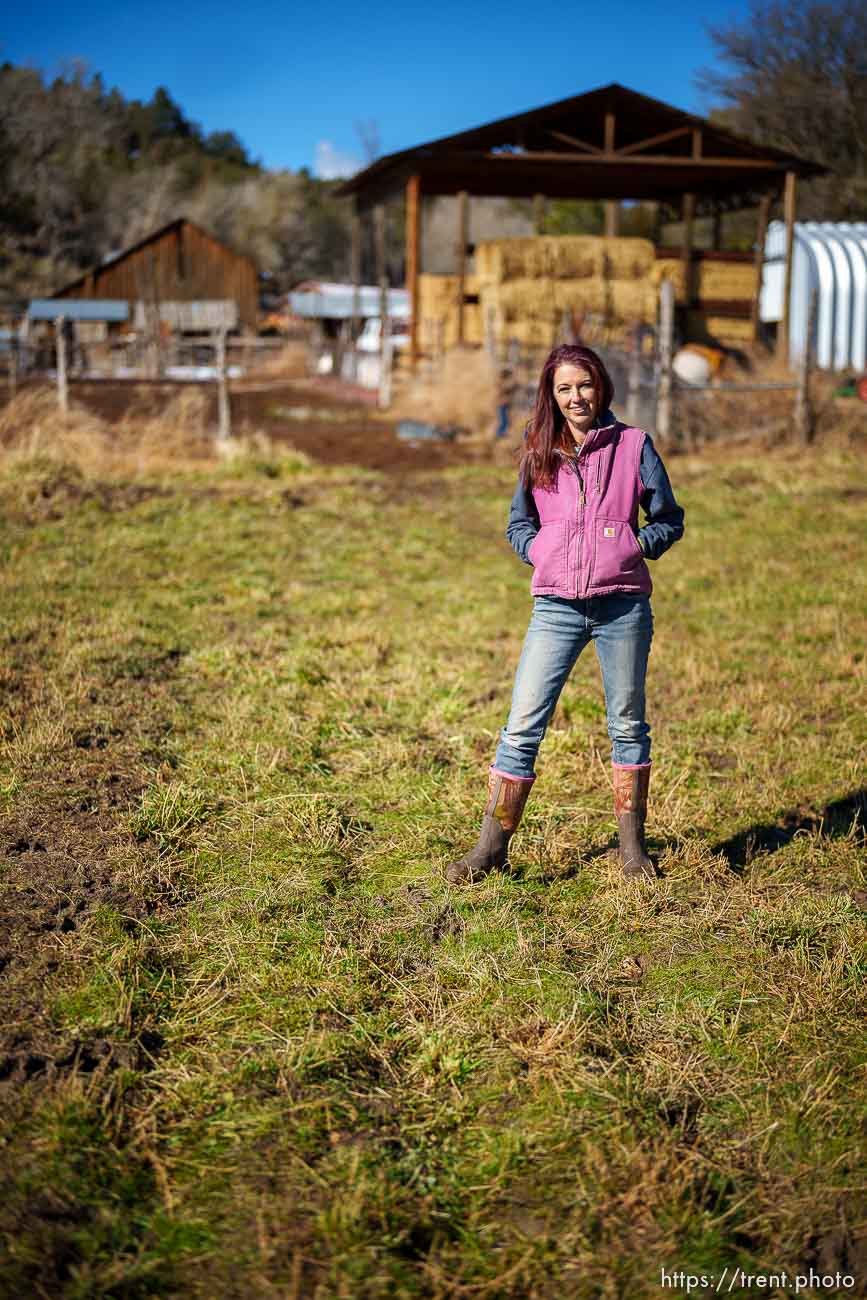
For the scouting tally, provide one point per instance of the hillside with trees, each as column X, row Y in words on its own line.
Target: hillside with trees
column 85, row 172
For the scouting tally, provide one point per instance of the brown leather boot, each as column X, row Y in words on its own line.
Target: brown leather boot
column 630, row 805
column 507, row 796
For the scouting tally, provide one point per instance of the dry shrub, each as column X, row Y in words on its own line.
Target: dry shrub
column 292, row 361
column 461, row 391
column 32, row 426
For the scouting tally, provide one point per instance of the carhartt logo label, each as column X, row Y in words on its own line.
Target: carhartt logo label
column 607, row 532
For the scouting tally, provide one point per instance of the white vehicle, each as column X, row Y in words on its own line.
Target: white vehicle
column 370, row 338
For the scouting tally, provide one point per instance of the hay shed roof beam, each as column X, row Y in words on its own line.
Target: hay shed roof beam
column 615, row 131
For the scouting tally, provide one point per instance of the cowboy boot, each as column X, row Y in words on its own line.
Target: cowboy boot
column 630, row 805
column 507, row 796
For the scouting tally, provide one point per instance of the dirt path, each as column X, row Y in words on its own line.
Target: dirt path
column 321, row 423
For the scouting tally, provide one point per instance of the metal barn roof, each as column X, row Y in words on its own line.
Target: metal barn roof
column 328, row 301
column 107, row 309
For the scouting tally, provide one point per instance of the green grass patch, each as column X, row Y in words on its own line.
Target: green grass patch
column 300, row 1065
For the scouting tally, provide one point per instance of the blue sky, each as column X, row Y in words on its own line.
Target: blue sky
column 292, row 81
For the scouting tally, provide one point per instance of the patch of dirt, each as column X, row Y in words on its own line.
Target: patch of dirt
column 65, row 852
column 331, row 429
column 62, row 488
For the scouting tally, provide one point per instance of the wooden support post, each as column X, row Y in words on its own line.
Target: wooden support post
column 789, row 206
column 686, row 253
column 540, row 205
column 60, row 347
column 666, row 347
column 803, row 411
column 14, row 345
column 633, row 378
column 657, row 224
column 381, row 276
column 413, row 224
column 462, row 239
column 224, row 411
column 761, row 234
column 385, row 353
column 355, row 270
column 612, row 207
column 716, row 230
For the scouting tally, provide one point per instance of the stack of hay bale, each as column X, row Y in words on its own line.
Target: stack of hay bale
column 438, row 311
column 526, row 285
column 722, row 281
column 522, row 289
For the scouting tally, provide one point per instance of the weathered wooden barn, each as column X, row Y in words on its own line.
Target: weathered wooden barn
column 180, row 263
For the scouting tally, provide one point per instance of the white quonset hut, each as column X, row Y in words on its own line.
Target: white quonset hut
column 830, row 259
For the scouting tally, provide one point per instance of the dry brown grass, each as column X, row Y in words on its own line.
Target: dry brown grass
column 292, row 361
column 32, row 425
column 461, row 390
column 147, row 439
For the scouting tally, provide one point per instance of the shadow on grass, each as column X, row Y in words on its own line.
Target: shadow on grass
column 534, row 873
column 834, row 821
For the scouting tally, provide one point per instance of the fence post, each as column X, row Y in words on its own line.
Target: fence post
column 13, row 365
column 224, row 413
column 633, row 378
column 803, row 413
column 60, row 344
column 666, row 344
column 385, row 371
column 491, row 333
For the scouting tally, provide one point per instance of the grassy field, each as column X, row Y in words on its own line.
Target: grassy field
column 253, row 1046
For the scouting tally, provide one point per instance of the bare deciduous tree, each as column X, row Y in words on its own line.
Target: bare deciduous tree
column 798, row 81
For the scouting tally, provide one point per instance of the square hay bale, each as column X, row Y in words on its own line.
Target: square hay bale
column 669, row 268
column 564, row 257
column 731, row 281
column 620, row 300
column 521, row 298
column 438, row 310
column 702, row 325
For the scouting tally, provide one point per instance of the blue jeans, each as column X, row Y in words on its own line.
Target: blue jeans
column 621, row 626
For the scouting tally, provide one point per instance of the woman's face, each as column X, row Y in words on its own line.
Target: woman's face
column 576, row 397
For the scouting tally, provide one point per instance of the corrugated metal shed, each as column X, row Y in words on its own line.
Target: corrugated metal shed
column 829, row 258
column 92, row 309
column 323, row 300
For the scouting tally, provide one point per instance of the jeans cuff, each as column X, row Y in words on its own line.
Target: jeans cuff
column 510, row 776
column 630, row 767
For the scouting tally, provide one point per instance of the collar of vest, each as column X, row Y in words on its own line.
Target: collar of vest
column 599, row 435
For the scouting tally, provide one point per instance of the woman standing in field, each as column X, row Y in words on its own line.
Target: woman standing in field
column 574, row 518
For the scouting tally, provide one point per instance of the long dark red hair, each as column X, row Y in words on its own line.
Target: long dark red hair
column 546, row 432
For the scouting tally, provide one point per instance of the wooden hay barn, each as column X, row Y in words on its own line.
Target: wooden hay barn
column 181, row 262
